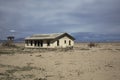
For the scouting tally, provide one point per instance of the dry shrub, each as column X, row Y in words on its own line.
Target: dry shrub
column 118, row 49
column 84, row 49
column 91, row 44
column 7, row 52
column 10, row 73
column 40, row 79
column 8, row 44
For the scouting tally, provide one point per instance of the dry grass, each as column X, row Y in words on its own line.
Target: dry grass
column 81, row 63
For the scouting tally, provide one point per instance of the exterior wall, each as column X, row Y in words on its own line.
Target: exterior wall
column 28, row 44
column 63, row 42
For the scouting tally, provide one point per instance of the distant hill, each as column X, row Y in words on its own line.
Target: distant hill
column 2, row 41
column 87, row 37
column 15, row 40
column 19, row 40
column 95, row 37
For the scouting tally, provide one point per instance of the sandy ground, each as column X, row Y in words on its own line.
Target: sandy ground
column 82, row 63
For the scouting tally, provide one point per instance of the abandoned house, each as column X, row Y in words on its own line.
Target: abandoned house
column 56, row 40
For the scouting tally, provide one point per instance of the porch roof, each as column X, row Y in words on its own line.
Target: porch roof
column 47, row 36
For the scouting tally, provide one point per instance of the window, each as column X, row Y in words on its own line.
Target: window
column 38, row 43
column 69, row 42
column 65, row 41
column 41, row 43
column 27, row 42
column 57, row 42
column 48, row 43
column 31, row 42
column 35, row 43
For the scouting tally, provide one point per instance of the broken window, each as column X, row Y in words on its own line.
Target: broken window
column 31, row 42
column 35, row 43
column 65, row 41
column 41, row 43
column 69, row 42
column 48, row 43
column 57, row 42
column 27, row 42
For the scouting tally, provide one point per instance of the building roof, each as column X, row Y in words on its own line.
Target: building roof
column 47, row 36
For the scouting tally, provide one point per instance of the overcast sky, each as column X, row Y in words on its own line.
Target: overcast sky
column 26, row 17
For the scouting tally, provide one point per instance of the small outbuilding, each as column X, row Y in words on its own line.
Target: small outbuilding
column 10, row 38
column 56, row 40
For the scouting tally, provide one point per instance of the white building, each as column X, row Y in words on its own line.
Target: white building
column 57, row 40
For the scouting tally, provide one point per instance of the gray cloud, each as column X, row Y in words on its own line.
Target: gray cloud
column 46, row 16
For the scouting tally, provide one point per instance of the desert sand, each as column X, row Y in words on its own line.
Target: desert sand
column 101, row 62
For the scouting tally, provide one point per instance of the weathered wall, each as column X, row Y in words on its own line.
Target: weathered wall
column 62, row 43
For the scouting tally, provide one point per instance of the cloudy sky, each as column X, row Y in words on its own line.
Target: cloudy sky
column 26, row 17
